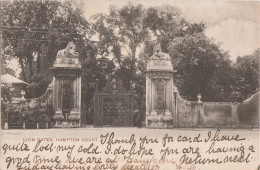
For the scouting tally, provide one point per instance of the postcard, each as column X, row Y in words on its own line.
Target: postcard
column 130, row 85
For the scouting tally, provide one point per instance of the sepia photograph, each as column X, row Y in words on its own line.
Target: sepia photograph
column 130, row 77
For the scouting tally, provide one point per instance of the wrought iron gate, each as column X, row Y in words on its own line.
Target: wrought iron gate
column 113, row 106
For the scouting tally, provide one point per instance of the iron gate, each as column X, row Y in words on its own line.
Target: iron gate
column 113, row 106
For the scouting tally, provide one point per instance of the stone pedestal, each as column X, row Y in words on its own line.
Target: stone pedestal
column 159, row 91
column 67, row 88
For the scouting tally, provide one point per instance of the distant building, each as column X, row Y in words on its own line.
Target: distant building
column 17, row 88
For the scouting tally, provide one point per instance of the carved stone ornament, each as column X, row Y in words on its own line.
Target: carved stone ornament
column 69, row 51
column 158, row 54
column 67, row 58
column 159, row 61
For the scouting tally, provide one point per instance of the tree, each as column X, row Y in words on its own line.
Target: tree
column 121, row 30
column 4, row 66
column 201, row 68
column 38, row 86
column 247, row 76
column 125, row 31
column 6, row 96
column 33, row 32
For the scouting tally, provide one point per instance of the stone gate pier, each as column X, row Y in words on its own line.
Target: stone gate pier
column 159, row 90
column 67, row 87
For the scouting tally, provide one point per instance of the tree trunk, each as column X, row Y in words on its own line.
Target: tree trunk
column 30, row 62
column 22, row 66
column 133, row 65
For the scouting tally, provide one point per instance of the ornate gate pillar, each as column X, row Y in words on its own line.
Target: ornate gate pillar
column 67, row 87
column 159, row 90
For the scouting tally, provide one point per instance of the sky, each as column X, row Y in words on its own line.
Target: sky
column 234, row 24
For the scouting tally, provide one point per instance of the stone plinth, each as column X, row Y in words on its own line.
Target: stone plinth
column 68, row 62
column 159, row 90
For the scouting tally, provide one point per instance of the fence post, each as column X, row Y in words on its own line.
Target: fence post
column 23, row 125
column 6, row 125
column 234, row 115
column 37, row 125
column 46, row 125
column 200, row 109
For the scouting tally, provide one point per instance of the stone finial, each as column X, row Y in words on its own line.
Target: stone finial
column 69, row 51
column 199, row 97
column 6, row 125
